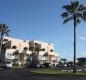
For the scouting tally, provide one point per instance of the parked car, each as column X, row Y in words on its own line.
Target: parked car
column 69, row 65
column 46, row 65
column 42, row 66
column 35, row 66
column 61, row 65
column 6, row 64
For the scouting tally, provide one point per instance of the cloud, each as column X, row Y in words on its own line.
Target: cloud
column 82, row 38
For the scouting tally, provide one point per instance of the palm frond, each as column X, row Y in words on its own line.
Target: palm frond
column 79, row 15
column 4, row 29
column 84, row 19
column 74, row 9
column 67, row 19
column 78, row 21
column 7, row 34
column 8, row 31
column 67, row 8
column 84, row 16
column 74, row 5
column 64, row 15
column 81, row 8
column 2, row 33
column 4, row 25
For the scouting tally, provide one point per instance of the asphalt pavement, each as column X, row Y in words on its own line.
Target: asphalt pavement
column 25, row 74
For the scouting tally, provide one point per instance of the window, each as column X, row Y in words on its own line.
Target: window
column 5, row 39
column 14, row 47
column 43, row 49
column 51, row 50
column 25, row 48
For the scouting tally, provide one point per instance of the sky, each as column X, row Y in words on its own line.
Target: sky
column 41, row 20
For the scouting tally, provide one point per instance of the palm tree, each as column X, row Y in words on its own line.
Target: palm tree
column 32, row 49
column 3, row 31
column 64, row 60
column 74, row 12
column 35, row 48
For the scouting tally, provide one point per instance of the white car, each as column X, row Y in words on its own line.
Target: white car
column 6, row 64
column 61, row 65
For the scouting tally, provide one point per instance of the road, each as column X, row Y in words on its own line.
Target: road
column 24, row 74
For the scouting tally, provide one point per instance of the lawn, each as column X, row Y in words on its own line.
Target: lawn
column 51, row 71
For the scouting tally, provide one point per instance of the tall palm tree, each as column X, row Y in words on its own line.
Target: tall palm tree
column 3, row 31
column 74, row 12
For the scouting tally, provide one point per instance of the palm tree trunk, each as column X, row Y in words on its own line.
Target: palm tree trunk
column 2, row 49
column 74, row 67
column 32, row 56
column 38, row 57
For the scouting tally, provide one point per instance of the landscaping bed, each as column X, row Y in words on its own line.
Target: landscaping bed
column 54, row 72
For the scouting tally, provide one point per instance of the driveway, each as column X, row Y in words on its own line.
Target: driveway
column 24, row 74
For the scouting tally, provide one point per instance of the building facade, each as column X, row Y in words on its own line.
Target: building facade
column 24, row 52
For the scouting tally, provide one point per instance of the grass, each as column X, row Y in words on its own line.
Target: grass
column 51, row 71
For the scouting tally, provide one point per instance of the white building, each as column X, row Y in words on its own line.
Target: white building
column 20, row 51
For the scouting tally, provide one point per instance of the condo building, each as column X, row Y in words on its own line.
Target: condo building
column 24, row 52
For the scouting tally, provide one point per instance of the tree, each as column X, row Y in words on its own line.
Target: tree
column 74, row 12
column 35, row 48
column 81, row 61
column 31, row 48
column 3, row 31
column 64, row 60
column 46, row 56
